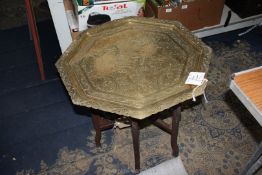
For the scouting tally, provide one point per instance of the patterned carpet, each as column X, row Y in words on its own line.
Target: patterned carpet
column 218, row 140
column 213, row 141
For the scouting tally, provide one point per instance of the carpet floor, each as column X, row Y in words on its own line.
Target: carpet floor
column 42, row 132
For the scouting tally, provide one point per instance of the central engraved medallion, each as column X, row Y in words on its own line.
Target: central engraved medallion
column 134, row 66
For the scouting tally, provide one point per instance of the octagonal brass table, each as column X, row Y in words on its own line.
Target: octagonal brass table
column 133, row 67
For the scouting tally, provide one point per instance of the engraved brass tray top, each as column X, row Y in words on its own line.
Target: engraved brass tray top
column 133, row 67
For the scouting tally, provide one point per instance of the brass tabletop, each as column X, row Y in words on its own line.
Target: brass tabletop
column 133, row 67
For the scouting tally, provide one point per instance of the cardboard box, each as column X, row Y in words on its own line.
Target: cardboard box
column 194, row 14
column 92, row 15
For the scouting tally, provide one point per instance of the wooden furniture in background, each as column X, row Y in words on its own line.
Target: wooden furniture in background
column 251, row 85
column 247, row 86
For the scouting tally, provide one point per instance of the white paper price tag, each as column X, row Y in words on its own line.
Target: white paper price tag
column 195, row 78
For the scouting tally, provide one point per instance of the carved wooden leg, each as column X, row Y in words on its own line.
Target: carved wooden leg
column 176, row 117
column 96, row 124
column 135, row 136
column 100, row 124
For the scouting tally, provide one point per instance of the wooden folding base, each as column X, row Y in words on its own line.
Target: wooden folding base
column 101, row 124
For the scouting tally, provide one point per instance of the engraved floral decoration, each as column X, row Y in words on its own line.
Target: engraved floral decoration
column 136, row 76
